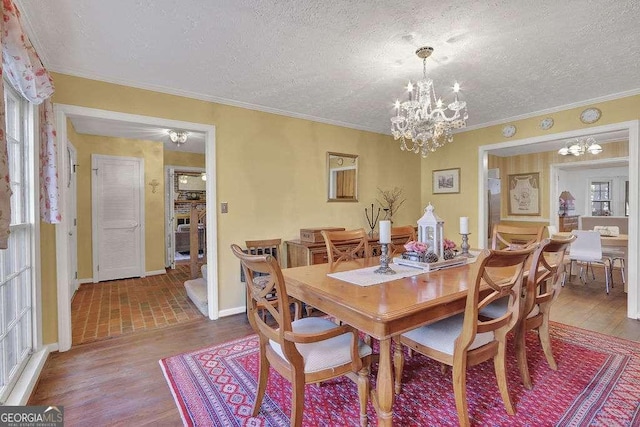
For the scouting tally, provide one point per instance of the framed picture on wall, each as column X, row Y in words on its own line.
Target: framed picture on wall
column 524, row 194
column 446, row 181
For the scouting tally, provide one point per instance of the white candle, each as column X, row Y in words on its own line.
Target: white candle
column 464, row 225
column 385, row 231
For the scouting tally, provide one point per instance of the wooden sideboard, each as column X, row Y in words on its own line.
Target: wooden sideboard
column 568, row 223
column 301, row 253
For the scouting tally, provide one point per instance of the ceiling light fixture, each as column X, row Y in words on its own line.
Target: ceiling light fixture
column 178, row 137
column 580, row 147
column 424, row 123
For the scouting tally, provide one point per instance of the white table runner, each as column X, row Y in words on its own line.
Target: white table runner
column 367, row 277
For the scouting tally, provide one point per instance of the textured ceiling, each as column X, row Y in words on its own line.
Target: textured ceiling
column 345, row 62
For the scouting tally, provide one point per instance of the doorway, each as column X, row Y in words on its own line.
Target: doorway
column 124, row 120
column 630, row 130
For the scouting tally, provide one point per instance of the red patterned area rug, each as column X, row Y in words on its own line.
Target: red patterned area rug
column 597, row 384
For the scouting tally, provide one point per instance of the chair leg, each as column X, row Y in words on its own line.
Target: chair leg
column 398, row 365
column 363, row 394
column 297, row 399
column 607, row 275
column 624, row 281
column 545, row 342
column 263, row 376
column 521, row 355
column 460, row 390
column 500, row 365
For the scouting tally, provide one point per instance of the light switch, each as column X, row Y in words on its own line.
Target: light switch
column 224, row 207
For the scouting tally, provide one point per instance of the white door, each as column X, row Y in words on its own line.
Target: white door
column 72, row 223
column 117, row 188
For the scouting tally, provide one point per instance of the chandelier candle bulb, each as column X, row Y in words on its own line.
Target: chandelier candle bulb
column 385, row 231
column 464, row 225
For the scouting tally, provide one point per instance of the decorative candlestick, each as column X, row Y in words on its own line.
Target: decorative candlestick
column 373, row 220
column 465, row 246
column 384, row 260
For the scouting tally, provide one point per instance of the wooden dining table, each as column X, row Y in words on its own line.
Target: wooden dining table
column 383, row 310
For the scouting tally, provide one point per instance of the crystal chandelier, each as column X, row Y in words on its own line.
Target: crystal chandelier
column 581, row 146
column 424, row 123
column 178, row 137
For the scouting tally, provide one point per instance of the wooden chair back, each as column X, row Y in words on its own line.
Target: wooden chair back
column 512, row 237
column 545, row 274
column 502, row 272
column 270, row 294
column 346, row 245
column 399, row 236
column 264, row 247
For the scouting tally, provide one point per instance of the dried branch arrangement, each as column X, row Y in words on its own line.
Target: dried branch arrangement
column 391, row 201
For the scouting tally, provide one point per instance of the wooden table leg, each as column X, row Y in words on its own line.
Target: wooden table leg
column 382, row 396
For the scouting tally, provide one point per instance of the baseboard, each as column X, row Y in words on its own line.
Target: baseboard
column 155, row 272
column 232, row 311
column 83, row 281
column 29, row 378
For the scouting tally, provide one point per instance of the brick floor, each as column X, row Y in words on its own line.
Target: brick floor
column 108, row 309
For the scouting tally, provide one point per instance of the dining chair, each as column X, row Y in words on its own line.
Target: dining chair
column 400, row 235
column 614, row 254
column 515, row 237
column 542, row 287
column 587, row 250
column 269, row 247
column 345, row 245
column 311, row 349
column 465, row 339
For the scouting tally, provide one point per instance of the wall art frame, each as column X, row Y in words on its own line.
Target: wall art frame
column 446, row 181
column 524, row 194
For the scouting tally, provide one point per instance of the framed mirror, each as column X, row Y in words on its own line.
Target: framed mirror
column 342, row 177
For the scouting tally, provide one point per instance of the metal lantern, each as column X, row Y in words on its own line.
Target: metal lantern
column 431, row 231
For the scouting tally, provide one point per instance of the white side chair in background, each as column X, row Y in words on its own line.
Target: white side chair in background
column 614, row 254
column 587, row 249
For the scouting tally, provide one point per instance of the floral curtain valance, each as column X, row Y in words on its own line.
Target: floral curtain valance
column 25, row 72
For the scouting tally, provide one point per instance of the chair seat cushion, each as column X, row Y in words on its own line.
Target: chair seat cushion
column 441, row 335
column 499, row 308
column 325, row 354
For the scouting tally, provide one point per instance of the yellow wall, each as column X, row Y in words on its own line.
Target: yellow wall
column 178, row 158
column 270, row 169
column 463, row 153
column 541, row 162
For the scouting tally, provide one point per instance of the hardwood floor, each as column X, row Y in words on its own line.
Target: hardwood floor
column 119, row 381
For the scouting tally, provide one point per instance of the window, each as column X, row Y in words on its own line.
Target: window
column 16, row 263
column 600, row 198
